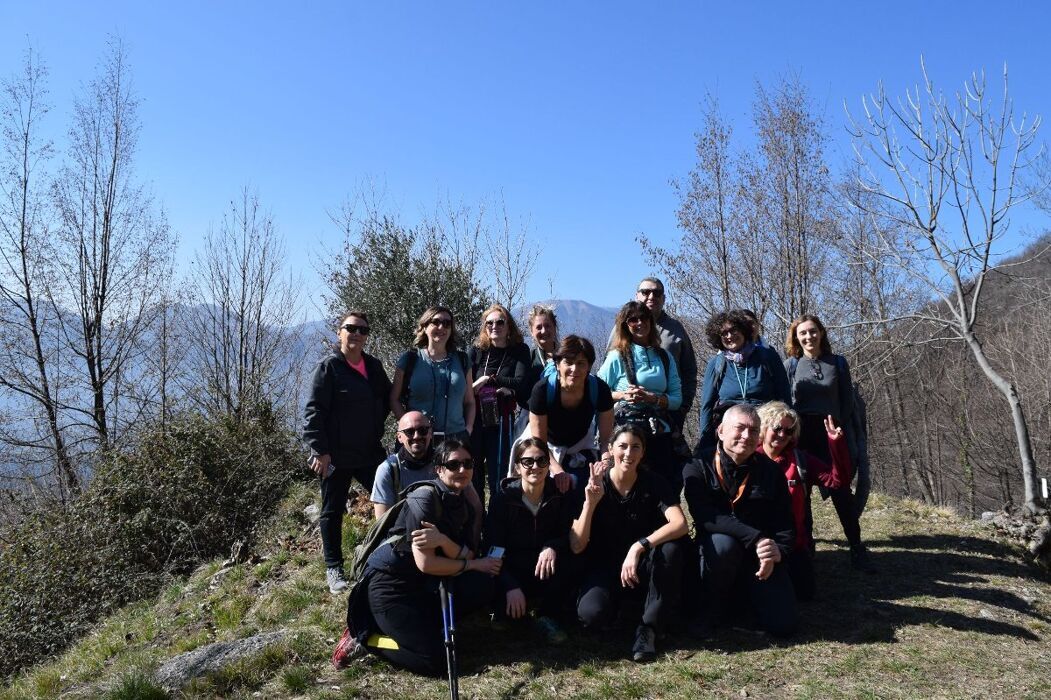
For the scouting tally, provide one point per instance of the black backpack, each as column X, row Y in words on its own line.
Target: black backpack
column 379, row 532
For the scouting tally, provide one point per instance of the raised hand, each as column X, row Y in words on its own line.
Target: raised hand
column 834, row 432
column 594, row 491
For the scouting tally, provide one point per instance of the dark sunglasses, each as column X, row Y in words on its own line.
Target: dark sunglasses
column 355, row 328
column 780, row 430
column 495, row 324
column 441, row 322
column 728, row 332
column 415, row 432
column 534, row 462
column 455, row 465
column 651, row 292
column 632, row 320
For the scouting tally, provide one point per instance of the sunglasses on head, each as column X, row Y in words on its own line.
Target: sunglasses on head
column 355, row 328
column 440, row 322
column 455, row 465
column 534, row 462
column 415, row 432
column 495, row 324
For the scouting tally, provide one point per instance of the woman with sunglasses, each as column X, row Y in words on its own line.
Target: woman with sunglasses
column 780, row 427
column 821, row 386
column 530, row 519
column 343, row 426
column 645, row 384
column 434, row 377
column 740, row 372
column 632, row 533
column 398, row 594
column 500, row 362
column 565, row 409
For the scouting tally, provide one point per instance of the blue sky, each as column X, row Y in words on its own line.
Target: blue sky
column 577, row 114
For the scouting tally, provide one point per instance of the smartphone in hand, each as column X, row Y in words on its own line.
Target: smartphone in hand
column 496, row 552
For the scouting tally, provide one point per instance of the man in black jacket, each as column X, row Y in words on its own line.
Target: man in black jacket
column 742, row 510
column 343, row 427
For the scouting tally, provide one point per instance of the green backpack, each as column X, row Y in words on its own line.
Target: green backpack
column 379, row 532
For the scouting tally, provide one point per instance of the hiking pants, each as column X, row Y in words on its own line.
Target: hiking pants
column 334, row 490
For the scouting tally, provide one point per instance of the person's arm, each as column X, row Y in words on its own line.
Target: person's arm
column 605, row 430
column 385, row 388
column 687, row 373
column 784, row 523
column 430, row 562
column 396, row 406
column 840, row 472
column 709, row 396
column 383, row 496
column 674, row 384
column 580, row 530
column 674, row 528
column 468, row 401
column 317, row 407
column 846, row 392
column 538, row 426
column 517, row 370
column 612, row 372
column 475, row 501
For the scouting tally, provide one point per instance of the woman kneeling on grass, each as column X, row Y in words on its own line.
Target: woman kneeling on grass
column 634, row 533
column 803, row 470
column 530, row 520
column 397, row 597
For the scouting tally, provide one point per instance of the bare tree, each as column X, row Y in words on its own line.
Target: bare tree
column 945, row 171
column 242, row 316
column 28, row 367
column 510, row 257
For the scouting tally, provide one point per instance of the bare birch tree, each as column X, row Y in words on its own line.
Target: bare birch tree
column 945, row 171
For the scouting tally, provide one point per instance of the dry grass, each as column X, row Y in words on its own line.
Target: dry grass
column 953, row 612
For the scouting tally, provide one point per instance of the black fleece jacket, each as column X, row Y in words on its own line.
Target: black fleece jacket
column 514, row 527
column 345, row 412
column 765, row 507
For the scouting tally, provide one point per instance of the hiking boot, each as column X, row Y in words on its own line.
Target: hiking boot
column 860, row 559
column 551, row 631
column 347, row 649
column 337, row 582
column 645, row 647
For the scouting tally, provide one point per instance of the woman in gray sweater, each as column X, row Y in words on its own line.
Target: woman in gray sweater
column 821, row 386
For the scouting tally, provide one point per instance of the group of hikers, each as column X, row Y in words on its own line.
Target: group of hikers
column 526, row 486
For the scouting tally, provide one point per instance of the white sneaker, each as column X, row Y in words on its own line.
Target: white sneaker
column 337, row 582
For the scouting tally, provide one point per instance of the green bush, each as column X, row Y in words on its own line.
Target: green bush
column 180, row 496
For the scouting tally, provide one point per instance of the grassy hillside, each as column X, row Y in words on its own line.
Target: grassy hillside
column 952, row 613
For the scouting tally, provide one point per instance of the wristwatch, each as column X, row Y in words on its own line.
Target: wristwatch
column 645, row 544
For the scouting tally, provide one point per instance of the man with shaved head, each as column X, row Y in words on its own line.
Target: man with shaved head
column 411, row 463
column 742, row 510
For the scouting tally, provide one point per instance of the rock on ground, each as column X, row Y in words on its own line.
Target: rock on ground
column 180, row 670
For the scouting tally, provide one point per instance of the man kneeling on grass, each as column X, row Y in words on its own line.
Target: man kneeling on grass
column 743, row 514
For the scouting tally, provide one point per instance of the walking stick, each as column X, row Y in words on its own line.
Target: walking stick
column 449, row 630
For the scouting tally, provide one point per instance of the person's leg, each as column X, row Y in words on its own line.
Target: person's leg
column 599, row 596
column 721, row 559
column 366, row 476
column 774, row 602
column 330, row 522
column 801, row 571
column 479, row 441
column 843, row 500
column 413, row 619
column 661, row 571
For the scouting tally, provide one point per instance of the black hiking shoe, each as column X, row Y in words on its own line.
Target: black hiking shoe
column 645, row 647
column 860, row 559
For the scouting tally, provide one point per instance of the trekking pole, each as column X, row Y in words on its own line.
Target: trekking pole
column 449, row 630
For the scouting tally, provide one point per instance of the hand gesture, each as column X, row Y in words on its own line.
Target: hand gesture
column 427, row 537
column 545, row 564
column 629, row 570
column 487, row 565
column 594, row 491
column 516, row 603
column 834, row 432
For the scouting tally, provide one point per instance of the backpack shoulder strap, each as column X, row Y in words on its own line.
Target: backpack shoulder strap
column 720, row 369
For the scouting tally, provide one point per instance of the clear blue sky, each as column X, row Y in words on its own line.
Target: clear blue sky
column 578, row 113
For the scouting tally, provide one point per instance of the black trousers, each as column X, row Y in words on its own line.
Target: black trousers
column 728, row 584
column 549, row 597
column 814, row 440
column 410, row 612
column 660, row 581
column 801, row 571
column 334, row 490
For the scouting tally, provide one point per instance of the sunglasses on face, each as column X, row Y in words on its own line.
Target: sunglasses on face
column 781, row 430
column 415, row 432
column 534, row 462
column 728, row 332
column 440, row 322
column 651, row 292
column 495, row 324
column 456, row 465
column 355, row 328
column 633, row 320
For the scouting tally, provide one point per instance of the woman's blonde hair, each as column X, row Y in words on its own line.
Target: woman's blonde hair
column 514, row 335
column 771, row 413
